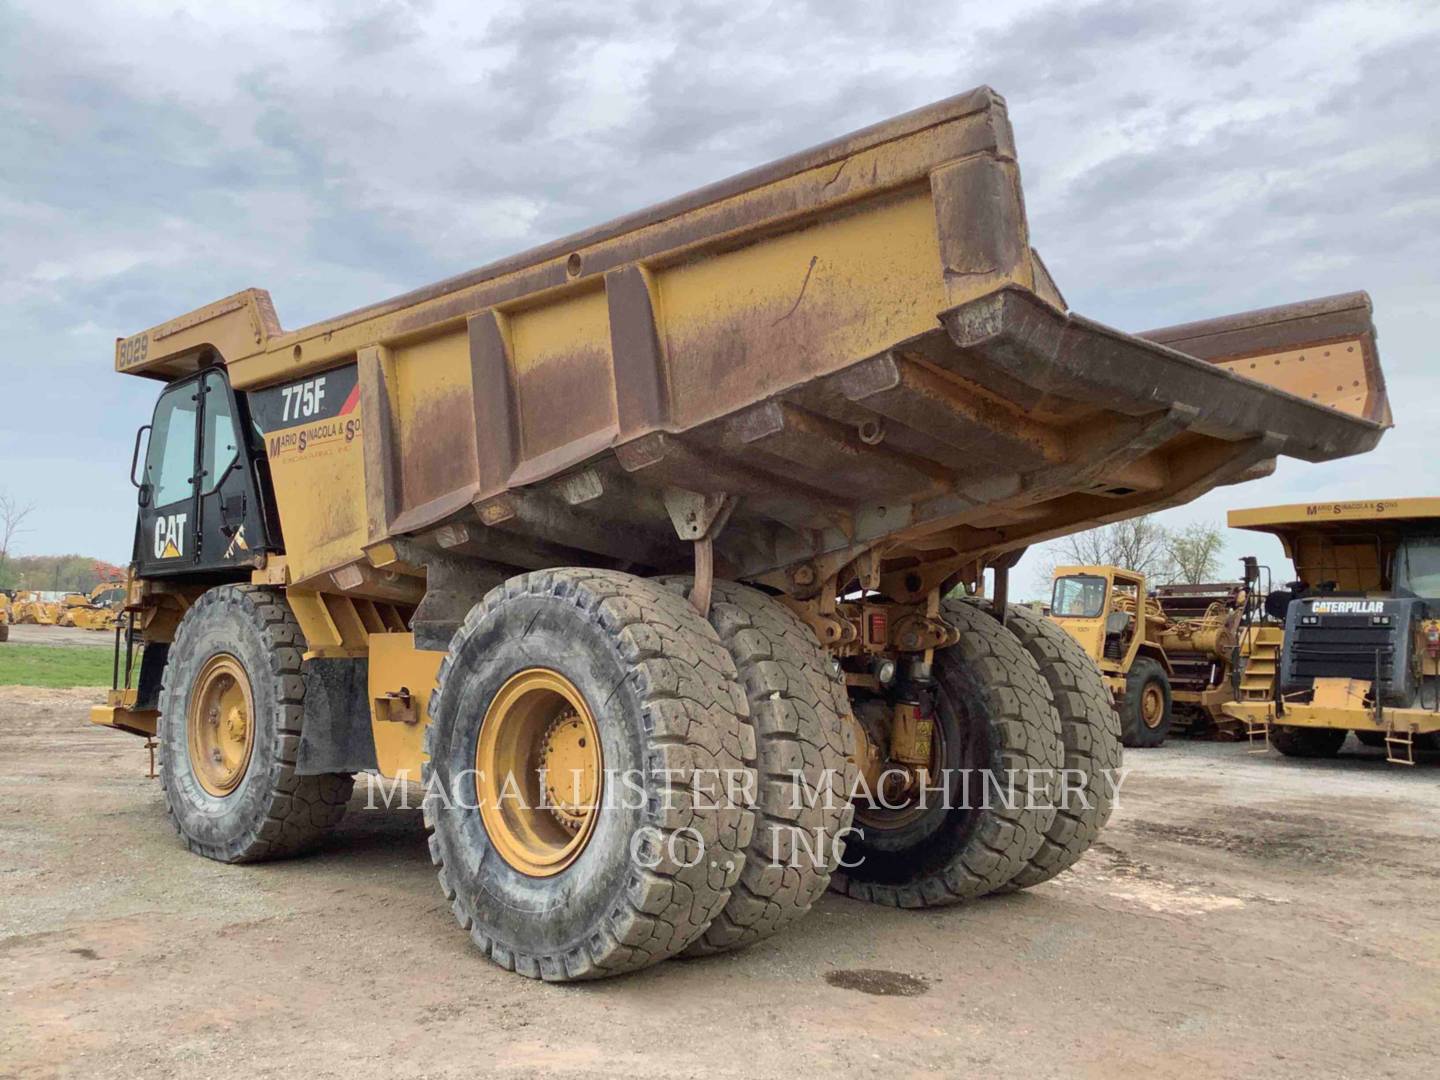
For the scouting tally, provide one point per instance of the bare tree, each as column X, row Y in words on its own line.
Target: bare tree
column 12, row 522
column 1195, row 552
column 1140, row 543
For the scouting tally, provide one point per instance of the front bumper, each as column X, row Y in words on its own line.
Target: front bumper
column 1262, row 713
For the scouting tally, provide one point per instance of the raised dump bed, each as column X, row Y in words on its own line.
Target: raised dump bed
column 858, row 341
column 844, row 379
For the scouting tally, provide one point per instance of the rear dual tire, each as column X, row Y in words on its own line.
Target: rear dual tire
column 669, row 841
column 799, row 708
column 997, row 725
column 1090, row 739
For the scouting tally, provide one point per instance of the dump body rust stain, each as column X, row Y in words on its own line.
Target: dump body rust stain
column 878, row 982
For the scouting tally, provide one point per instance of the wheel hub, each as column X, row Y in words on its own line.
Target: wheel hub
column 569, row 774
column 539, row 772
column 220, row 729
column 1152, row 706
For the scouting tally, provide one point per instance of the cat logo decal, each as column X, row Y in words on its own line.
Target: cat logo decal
column 170, row 536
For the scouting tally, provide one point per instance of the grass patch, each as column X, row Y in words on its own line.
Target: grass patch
column 56, row 666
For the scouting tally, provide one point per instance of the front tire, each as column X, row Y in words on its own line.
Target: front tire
column 664, row 830
column 1147, row 711
column 232, row 706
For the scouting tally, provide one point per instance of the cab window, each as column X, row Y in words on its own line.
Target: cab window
column 222, row 442
column 1078, row 596
column 170, row 459
column 1417, row 566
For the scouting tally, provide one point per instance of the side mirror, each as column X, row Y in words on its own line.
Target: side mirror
column 135, row 461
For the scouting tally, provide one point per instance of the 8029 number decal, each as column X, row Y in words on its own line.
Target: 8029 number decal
column 133, row 350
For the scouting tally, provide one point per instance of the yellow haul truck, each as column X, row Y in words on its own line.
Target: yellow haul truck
column 492, row 534
column 1358, row 648
column 1166, row 656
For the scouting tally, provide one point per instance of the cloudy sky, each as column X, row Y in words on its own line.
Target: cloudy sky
column 1180, row 160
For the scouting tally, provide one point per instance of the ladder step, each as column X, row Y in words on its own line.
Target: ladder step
column 1400, row 747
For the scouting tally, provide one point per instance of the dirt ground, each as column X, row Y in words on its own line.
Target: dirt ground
column 1244, row 914
column 32, row 634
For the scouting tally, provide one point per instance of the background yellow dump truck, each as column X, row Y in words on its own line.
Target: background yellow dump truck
column 1358, row 648
column 493, row 534
column 1168, row 656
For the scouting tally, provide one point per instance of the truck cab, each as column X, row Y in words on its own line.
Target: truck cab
column 1361, row 643
column 1102, row 608
column 1107, row 610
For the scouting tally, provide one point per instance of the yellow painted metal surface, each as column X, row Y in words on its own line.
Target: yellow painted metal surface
column 1257, row 681
column 220, row 725
column 119, row 712
column 564, row 370
column 1090, row 632
column 539, row 772
column 750, row 299
column 335, row 625
column 318, row 471
column 1326, row 374
column 1265, row 518
column 1348, row 543
column 432, row 418
column 1419, row 721
column 396, row 668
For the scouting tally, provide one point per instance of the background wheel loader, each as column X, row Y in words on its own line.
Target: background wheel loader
column 1356, row 645
column 1171, row 657
column 633, row 547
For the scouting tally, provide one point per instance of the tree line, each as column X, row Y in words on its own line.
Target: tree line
column 58, row 573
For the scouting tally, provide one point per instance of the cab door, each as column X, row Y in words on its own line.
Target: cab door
column 165, row 539
column 199, row 504
column 231, row 527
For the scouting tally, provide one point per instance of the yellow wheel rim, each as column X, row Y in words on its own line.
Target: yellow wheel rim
column 539, row 772
column 220, row 726
column 1152, row 705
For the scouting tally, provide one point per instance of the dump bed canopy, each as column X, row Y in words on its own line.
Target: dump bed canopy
column 1349, row 543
